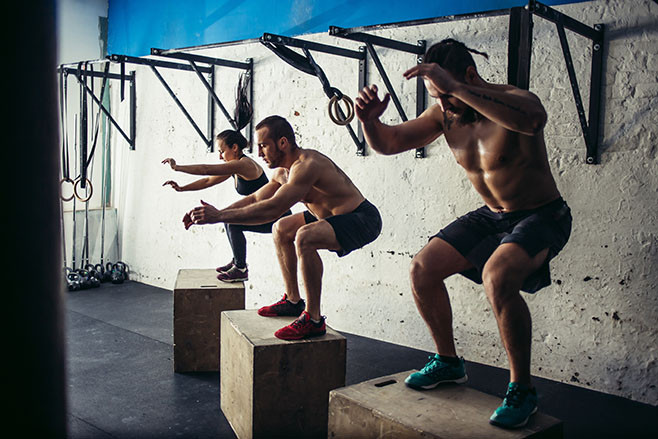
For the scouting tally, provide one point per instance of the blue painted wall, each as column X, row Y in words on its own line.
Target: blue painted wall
column 137, row 25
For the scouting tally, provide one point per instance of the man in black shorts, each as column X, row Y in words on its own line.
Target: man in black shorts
column 496, row 134
column 339, row 219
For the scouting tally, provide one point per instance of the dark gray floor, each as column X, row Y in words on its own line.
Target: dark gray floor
column 121, row 382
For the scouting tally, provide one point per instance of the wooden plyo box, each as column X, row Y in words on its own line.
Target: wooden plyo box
column 199, row 299
column 386, row 408
column 277, row 388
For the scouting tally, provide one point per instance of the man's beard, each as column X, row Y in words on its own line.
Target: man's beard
column 276, row 160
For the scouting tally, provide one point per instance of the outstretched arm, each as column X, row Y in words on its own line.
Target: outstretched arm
column 512, row 108
column 301, row 179
column 202, row 183
column 221, row 169
column 387, row 139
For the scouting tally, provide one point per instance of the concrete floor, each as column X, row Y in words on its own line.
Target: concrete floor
column 121, row 382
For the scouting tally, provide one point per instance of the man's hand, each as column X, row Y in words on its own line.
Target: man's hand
column 368, row 106
column 187, row 221
column 173, row 184
column 171, row 162
column 437, row 76
column 205, row 214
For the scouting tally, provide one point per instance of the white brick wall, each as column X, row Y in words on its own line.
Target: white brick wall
column 594, row 327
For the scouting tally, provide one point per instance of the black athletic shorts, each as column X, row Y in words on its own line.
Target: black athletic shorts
column 477, row 234
column 355, row 229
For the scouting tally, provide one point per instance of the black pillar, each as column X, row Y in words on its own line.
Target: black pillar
column 33, row 348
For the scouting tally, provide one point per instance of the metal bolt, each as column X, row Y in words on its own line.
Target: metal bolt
column 590, row 160
column 279, row 39
column 597, row 27
column 597, row 46
column 419, row 59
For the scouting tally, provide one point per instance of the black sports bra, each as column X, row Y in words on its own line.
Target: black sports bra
column 247, row 187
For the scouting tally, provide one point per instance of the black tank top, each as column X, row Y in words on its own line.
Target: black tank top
column 247, row 187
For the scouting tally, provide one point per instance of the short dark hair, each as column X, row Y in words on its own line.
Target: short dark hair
column 278, row 127
column 453, row 56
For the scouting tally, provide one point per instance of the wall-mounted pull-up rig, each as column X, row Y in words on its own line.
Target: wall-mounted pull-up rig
column 519, row 56
column 208, row 83
column 305, row 63
column 82, row 75
column 418, row 50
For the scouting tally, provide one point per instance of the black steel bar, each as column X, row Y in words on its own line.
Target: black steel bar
column 211, row 112
column 373, row 39
column 420, row 93
column 133, row 110
column 555, row 16
column 433, row 20
column 574, row 82
column 94, row 74
column 73, row 65
column 105, row 110
column 363, row 75
column 387, row 82
column 519, row 48
column 318, row 47
column 201, row 59
column 595, row 97
column 123, row 80
column 214, row 96
column 83, row 134
column 180, row 105
column 155, row 63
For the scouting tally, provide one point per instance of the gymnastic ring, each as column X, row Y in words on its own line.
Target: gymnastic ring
column 334, row 103
column 75, row 190
column 61, row 193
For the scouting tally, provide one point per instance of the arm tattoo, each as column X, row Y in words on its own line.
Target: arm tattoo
column 497, row 101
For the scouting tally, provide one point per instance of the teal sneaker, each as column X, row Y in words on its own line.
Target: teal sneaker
column 436, row 372
column 517, row 407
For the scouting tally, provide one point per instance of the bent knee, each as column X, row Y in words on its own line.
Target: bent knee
column 283, row 231
column 423, row 274
column 500, row 285
column 304, row 239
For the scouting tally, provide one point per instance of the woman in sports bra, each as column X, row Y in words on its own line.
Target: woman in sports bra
column 248, row 176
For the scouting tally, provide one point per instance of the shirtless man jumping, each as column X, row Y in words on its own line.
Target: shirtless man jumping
column 338, row 218
column 496, row 134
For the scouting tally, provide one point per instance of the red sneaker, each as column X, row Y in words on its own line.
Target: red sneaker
column 283, row 307
column 303, row 327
